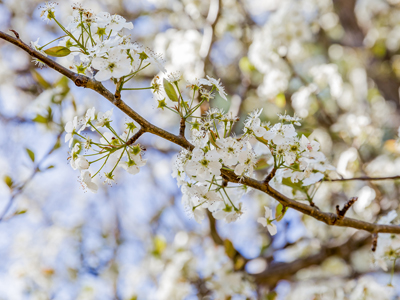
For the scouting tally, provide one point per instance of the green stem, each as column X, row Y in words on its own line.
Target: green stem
column 134, row 73
column 119, row 159
column 102, row 165
column 98, row 153
column 212, row 180
column 52, row 41
column 113, row 131
column 191, row 102
column 230, row 129
column 392, row 273
column 90, row 123
column 98, row 158
column 230, row 199
column 194, row 207
column 173, row 110
column 216, row 128
column 71, row 35
column 194, row 109
column 225, row 168
column 180, row 97
column 135, row 89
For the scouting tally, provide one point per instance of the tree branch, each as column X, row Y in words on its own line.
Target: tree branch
column 83, row 81
column 365, row 178
column 279, row 271
column 341, row 212
column 136, row 136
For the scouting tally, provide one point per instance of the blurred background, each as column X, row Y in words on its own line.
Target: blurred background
column 336, row 64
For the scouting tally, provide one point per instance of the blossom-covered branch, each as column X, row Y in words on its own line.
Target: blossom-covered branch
column 87, row 82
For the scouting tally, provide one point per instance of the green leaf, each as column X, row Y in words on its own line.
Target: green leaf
column 296, row 186
column 170, row 90
column 279, row 212
column 58, row 51
column 159, row 245
column 261, row 164
column 40, row 119
column 50, row 167
column 39, row 79
column 8, row 180
column 57, row 145
column 245, row 65
column 31, row 154
column 229, row 249
column 21, row 212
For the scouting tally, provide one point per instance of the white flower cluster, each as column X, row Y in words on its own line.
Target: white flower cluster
column 388, row 245
column 301, row 160
column 365, row 287
column 114, row 149
column 94, row 44
column 199, row 170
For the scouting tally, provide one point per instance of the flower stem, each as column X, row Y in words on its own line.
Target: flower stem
column 102, row 165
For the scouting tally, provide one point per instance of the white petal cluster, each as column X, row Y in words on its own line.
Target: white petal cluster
column 301, row 159
column 110, row 148
column 267, row 221
column 199, row 170
column 388, row 245
column 98, row 45
column 215, row 84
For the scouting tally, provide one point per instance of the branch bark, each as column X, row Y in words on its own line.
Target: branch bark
column 86, row 82
column 279, row 271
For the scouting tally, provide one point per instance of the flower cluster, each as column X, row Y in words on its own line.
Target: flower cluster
column 115, row 150
column 94, row 45
column 300, row 159
column 388, row 245
column 199, row 171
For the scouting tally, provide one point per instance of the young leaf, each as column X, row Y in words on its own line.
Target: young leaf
column 229, row 249
column 40, row 119
column 279, row 212
column 170, row 90
column 8, row 180
column 58, row 51
column 31, row 154
column 39, row 79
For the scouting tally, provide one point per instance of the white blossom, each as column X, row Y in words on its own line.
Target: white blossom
column 216, row 83
column 87, row 181
column 116, row 65
column 267, row 221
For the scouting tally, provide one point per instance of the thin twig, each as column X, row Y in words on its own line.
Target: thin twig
column 364, row 178
column 182, row 127
column 136, row 136
column 374, row 242
column 270, row 176
column 341, row 212
column 21, row 187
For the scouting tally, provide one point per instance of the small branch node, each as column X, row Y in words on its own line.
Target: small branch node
column 341, row 212
column 270, row 176
column 81, row 80
column 136, row 136
column 374, row 242
column 182, row 127
column 15, row 33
